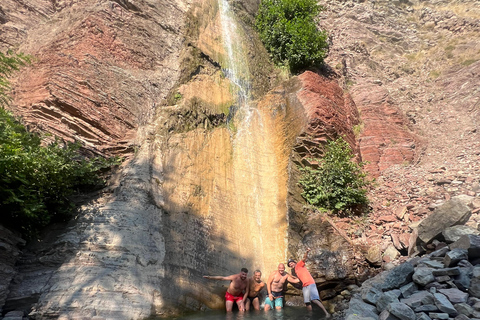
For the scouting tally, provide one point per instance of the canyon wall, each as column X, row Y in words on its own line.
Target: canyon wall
column 210, row 183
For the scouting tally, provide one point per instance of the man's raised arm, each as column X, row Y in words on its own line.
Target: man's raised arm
column 218, row 278
column 305, row 256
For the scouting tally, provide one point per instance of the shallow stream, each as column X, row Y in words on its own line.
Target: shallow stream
column 288, row 313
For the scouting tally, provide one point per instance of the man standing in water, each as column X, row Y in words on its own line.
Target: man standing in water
column 237, row 290
column 275, row 286
column 256, row 285
column 310, row 291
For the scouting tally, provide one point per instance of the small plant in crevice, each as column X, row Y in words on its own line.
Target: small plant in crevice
column 337, row 183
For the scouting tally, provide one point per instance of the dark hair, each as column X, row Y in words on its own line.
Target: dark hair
column 257, row 271
column 244, row 270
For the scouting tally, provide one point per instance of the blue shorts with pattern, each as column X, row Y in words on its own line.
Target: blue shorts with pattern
column 277, row 300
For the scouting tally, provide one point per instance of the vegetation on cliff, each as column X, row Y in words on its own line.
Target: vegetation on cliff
column 9, row 63
column 338, row 183
column 36, row 180
column 288, row 30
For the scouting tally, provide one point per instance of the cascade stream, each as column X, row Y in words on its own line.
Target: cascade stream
column 260, row 208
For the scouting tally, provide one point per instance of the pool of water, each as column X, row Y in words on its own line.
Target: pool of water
column 288, row 313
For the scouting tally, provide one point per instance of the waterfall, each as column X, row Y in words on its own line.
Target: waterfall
column 260, row 207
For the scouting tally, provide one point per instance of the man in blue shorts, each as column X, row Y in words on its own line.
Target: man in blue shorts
column 275, row 286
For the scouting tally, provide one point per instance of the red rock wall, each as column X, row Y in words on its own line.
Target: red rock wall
column 99, row 68
column 385, row 139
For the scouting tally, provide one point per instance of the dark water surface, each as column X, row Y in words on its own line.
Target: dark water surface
column 288, row 313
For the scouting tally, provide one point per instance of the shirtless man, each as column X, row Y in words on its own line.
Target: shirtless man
column 275, row 286
column 237, row 290
column 256, row 285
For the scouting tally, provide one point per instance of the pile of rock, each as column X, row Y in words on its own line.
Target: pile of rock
column 444, row 284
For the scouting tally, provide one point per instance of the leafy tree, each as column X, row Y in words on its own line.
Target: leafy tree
column 288, row 30
column 337, row 184
column 9, row 63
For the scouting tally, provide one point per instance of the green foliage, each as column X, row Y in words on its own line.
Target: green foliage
column 287, row 29
column 36, row 181
column 338, row 184
column 9, row 63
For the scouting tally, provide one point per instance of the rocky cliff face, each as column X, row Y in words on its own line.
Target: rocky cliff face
column 211, row 186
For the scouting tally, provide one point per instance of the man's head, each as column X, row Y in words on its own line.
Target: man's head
column 281, row 269
column 291, row 263
column 243, row 273
column 257, row 274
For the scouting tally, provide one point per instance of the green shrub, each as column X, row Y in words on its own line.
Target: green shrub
column 9, row 63
column 337, row 184
column 36, row 181
column 287, row 29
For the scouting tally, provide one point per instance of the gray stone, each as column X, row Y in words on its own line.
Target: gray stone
column 433, row 264
column 454, row 295
column 469, row 242
column 453, row 257
column 408, row 289
column 401, row 310
column 423, row 316
column 359, row 317
column 474, row 289
column 443, row 278
column 446, row 272
column 462, row 317
column 436, row 285
column 385, row 299
column 398, row 276
column 426, row 308
column 438, row 315
column 423, row 276
column 418, row 298
column 452, row 212
column 476, row 272
column 386, row 315
column 371, row 295
column 358, row 309
column 464, row 308
column 443, row 304
column 454, row 233
column 463, row 280
column 440, row 252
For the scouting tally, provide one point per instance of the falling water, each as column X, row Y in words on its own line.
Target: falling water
column 254, row 159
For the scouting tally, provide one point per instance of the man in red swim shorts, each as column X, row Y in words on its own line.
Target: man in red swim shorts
column 237, row 290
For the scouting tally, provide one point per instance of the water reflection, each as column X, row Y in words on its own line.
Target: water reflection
column 289, row 313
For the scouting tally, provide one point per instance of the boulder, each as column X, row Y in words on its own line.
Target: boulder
column 398, row 276
column 469, row 242
column 454, row 233
column 402, row 311
column 453, row 257
column 443, row 304
column 452, row 212
column 423, row 276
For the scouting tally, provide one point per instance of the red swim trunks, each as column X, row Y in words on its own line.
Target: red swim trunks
column 231, row 297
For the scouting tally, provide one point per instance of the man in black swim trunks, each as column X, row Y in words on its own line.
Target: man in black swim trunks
column 275, row 285
column 256, row 285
